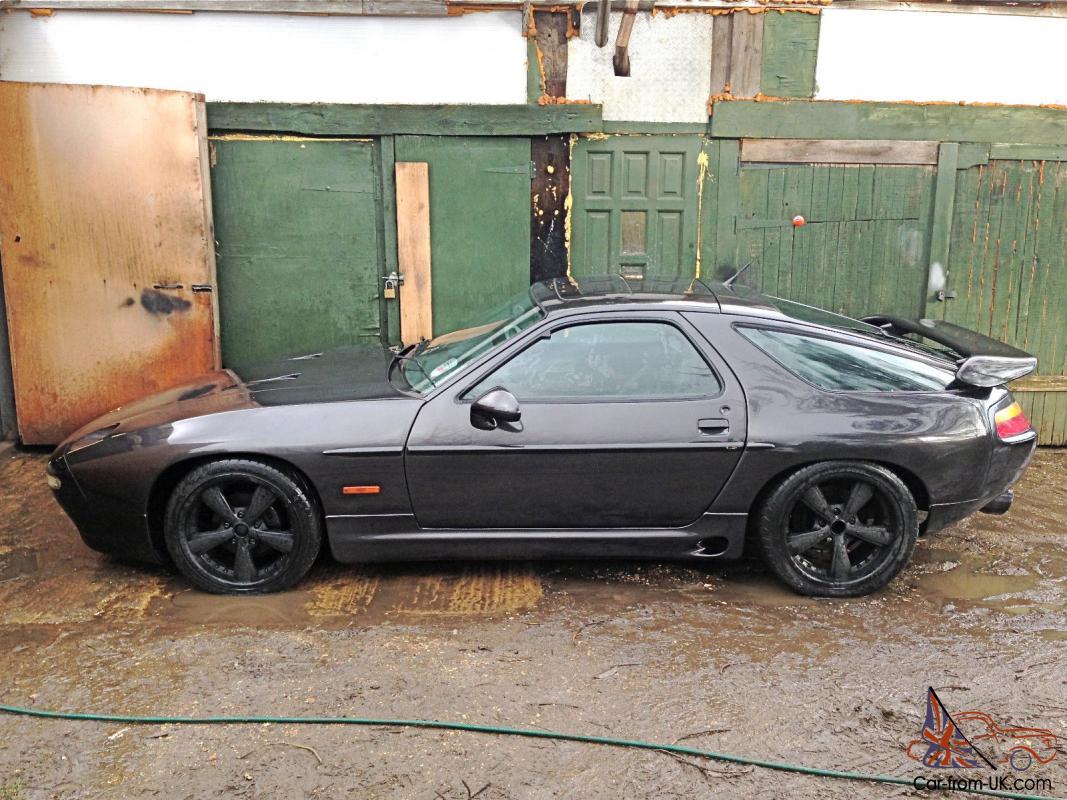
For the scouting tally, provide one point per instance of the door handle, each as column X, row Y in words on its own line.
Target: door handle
column 711, row 427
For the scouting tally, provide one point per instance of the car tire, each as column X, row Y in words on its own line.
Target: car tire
column 240, row 526
column 838, row 528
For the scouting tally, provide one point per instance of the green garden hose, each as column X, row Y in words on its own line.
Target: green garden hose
column 495, row 729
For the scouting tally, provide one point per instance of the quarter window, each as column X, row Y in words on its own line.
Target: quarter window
column 615, row 360
column 847, row 367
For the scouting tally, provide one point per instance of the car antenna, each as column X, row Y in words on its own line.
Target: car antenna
column 729, row 281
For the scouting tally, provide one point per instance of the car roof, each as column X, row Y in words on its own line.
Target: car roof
column 600, row 290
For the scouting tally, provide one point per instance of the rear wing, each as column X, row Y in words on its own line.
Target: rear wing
column 983, row 361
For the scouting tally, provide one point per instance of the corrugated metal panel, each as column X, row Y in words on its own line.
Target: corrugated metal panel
column 670, row 76
column 298, row 252
column 474, row 58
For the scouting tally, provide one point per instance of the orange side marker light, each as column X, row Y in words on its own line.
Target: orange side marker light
column 372, row 489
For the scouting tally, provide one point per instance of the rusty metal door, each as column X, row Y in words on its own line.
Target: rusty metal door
column 106, row 248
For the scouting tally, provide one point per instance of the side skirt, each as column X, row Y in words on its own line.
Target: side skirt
column 397, row 537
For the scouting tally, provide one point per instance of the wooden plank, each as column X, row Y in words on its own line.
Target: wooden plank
column 817, row 119
column 430, row 8
column 1028, row 152
column 972, row 154
column 373, row 120
column 550, row 186
column 941, row 226
column 551, row 51
column 727, row 203
column 838, row 151
column 1040, row 383
column 722, row 36
column 413, row 250
column 388, row 309
column 655, row 128
column 746, row 54
column 8, row 423
column 790, row 46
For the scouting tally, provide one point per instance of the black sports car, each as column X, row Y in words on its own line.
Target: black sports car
column 586, row 418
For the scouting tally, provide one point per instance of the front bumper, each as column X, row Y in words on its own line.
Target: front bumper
column 105, row 525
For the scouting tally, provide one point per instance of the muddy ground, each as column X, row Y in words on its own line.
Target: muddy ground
column 720, row 658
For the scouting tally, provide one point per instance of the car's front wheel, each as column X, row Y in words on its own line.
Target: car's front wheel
column 838, row 528
column 239, row 526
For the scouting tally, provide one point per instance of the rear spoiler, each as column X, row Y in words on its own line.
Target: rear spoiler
column 983, row 361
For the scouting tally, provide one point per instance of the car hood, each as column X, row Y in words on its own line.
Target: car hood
column 348, row 373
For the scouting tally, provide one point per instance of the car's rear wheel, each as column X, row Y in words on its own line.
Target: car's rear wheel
column 239, row 526
column 838, row 528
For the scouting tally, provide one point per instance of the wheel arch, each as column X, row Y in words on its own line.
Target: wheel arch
column 169, row 478
column 914, row 483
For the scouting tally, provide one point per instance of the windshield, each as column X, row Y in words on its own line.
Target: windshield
column 430, row 363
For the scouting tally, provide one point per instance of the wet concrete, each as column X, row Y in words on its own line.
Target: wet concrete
column 721, row 658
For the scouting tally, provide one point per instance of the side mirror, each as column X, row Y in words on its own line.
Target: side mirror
column 493, row 408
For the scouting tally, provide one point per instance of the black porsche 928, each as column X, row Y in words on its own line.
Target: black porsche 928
column 587, row 418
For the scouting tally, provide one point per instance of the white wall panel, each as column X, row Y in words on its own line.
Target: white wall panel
column 930, row 56
column 475, row 58
column 670, row 69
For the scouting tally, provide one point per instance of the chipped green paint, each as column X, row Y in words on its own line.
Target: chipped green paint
column 863, row 247
column 790, row 44
column 298, row 245
column 479, row 221
column 823, row 119
column 635, row 205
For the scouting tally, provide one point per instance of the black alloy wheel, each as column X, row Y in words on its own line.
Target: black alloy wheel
column 838, row 529
column 239, row 526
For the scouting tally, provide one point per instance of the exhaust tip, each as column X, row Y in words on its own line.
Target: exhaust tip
column 999, row 505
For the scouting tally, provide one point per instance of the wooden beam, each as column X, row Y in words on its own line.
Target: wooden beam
column 816, row 119
column 413, row 250
column 790, row 47
column 1028, row 152
column 377, row 120
column 727, row 206
column 387, row 244
column 941, row 228
column 422, row 8
column 1040, row 383
column 746, row 54
column 837, row 151
column 722, row 37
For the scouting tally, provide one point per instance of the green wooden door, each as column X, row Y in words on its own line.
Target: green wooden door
column 863, row 247
column 1008, row 268
column 296, row 222
column 479, row 221
column 635, row 205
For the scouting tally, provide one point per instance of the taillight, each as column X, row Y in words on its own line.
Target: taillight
column 1011, row 421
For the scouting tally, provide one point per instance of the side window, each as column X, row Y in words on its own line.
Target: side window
column 847, row 367
column 609, row 360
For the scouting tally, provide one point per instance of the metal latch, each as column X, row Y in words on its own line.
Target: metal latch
column 390, row 283
column 944, row 295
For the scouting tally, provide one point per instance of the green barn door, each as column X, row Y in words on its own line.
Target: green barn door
column 296, row 222
column 479, row 221
column 1008, row 269
column 863, row 247
column 635, row 205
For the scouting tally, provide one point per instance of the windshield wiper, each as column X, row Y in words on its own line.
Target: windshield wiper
column 408, row 355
